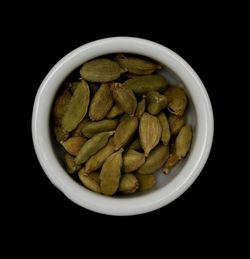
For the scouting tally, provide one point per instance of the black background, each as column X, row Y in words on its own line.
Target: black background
column 202, row 35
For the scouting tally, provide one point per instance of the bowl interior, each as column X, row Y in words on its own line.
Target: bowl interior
column 162, row 180
column 199, row 115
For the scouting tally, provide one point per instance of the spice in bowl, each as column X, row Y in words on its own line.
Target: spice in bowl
column 119, row 122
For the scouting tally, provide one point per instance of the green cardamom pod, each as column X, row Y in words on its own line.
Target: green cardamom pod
column 92, row 146
column 111, row 173
column 132, row 160
column 155, row 160
column 93, row 127
column 124, row 97
column 101, row 103
column 125, row 131
column 77, row 107
column 156, row 102
column 183, row 141
column 101, row 70
column 136, row 66
column 177, row 100
column 128, row 184
column 144, row 84
column 165, row 133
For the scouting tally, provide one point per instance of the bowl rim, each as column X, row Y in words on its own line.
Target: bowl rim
column 131, row 205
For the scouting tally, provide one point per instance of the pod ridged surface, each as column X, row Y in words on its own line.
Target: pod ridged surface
column 60, row 106
column 132, row 160
column 73, row 145
column 135, row 65
column 101, row 103
column 111, row 173
column 155, row 160
column 145, row 84
column 183, row 141
column 97, row 160
column 77, row 107
column 90, row 181
column 149, row 132
column 128, row 184
column 165, row 134
column 94, row 127
column 115, row 111
column 125, row 131
column 92, row 146
column 146, row 182
column 124, row 97
column 175, row 124
column 177, row 100
column 101, row 70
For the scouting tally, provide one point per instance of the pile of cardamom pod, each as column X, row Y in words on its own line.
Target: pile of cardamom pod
column 120, row 123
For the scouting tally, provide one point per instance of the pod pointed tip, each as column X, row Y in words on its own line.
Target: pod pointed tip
column 165, row 171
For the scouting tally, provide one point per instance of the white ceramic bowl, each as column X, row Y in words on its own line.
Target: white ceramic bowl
column 169, row 187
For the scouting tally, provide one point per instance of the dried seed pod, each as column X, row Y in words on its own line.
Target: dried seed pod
column 145, row 84
column 125, row 131
column 146, row 182
column 140, row 109
column 135, row 145
column 128, row 184
column 111, row 173
column 156, row 102
column 136, row 66
column 60, row 133
column 149, row 132
column 97, row 160
column 77, row 132
column 73, row 145
column 155, row 160
column 115, row 111
column 171, row 162
column 175, row 124
column 71, row 166
column 77, row 107
column 101, row 70
column 183, row 141
column 101, row 103
column 124, row 97
column 60, row 106
column 132, row 160
column 90, row 181
column 165, row 134
column 92, row 146
column 93, row 127
column 95, row 176
column 177, row 100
